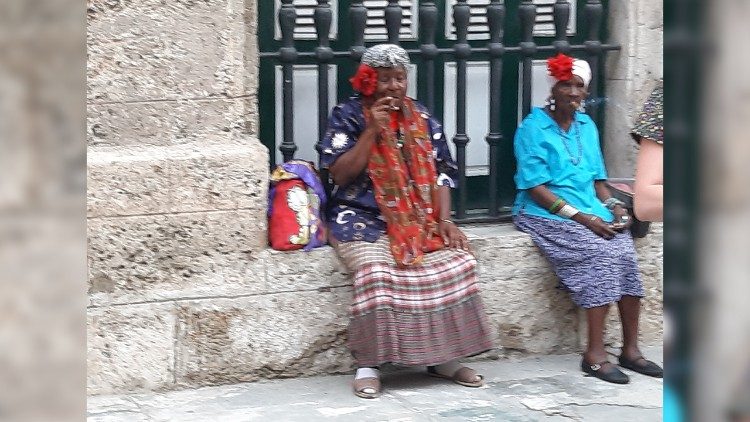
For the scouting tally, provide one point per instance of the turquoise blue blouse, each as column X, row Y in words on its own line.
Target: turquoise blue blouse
column 567, row 163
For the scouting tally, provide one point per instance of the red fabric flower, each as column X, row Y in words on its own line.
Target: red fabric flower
column 365, row 80
column 560, row 67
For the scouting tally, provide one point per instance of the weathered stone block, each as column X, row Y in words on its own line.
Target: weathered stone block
column 297, row 270
column 130, row 348
column 156, row 257
column 621, row 31
column 650, row 262
column 649, row 56
column 182, row 178
column 519, row 290
column 169, row 122
column 269, row 336
column 619, row 149
column 168, row 50
column 651, row 15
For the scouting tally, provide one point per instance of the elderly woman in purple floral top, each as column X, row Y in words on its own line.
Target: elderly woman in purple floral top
column 420, row 308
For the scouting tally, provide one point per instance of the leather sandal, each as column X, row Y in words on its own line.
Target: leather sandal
column 614, row 375
column 642, row 366
column 463, row 376
column 370, row 383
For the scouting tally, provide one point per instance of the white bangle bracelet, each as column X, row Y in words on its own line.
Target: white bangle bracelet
column 567, row 211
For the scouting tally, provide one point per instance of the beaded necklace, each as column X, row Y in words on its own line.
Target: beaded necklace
column 564, row 139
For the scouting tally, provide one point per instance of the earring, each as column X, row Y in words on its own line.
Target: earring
column 550, row 103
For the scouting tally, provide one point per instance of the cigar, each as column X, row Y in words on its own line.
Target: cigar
column 394, row 104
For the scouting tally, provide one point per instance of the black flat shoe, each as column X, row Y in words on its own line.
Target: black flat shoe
column 613, row 375
column 642, row 366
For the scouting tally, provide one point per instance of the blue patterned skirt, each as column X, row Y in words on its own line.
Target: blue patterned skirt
column 595, row 271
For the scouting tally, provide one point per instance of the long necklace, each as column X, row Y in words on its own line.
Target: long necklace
column 564, row 139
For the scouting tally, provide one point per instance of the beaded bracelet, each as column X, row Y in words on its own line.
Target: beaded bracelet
column 554, row 207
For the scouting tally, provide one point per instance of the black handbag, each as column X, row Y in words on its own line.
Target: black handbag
column 622, row 189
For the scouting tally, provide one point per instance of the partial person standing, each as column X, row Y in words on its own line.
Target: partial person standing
column 648, row 131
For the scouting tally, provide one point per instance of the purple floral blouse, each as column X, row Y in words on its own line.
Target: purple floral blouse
column 353, row 213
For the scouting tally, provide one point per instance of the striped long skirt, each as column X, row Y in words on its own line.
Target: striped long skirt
column 423, row 315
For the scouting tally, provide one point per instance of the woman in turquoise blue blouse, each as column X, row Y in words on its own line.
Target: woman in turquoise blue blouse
column 564, row 204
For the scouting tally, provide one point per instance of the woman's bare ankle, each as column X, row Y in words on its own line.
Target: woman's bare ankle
column 595, row 356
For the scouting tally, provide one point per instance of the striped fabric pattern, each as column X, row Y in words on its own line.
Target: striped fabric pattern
column 421, row 315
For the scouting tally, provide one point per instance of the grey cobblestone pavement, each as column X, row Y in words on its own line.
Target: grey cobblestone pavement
column 544, row 388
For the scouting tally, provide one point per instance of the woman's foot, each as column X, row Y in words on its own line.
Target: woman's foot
column 632, row 358
column 457, row 373
column 367, row 383
column 642, row 366
column 605, row 371
column 595, row 364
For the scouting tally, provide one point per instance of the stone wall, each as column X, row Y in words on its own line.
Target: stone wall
column 631, row 74
column 167, row 73
column 284, row 314
column 177, row 181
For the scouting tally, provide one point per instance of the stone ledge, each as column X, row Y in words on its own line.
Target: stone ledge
column 228, row 174
column 162, row 257
column 169, row 122
column 270, row 336
column 285, row 315
column 201, row 271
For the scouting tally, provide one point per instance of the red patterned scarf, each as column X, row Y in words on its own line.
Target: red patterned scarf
column 403, row 175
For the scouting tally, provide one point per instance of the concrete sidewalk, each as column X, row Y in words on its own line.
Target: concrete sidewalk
column 548, row 388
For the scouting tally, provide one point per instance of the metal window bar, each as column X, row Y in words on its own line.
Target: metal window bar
column 593, row 11
column 495, row 18
column 324, row 54
column 288, row 55
column 428, row 52
column 560, row 17
column 428, row 17
column 393, row 14
column 527, row 13
column 462, row 52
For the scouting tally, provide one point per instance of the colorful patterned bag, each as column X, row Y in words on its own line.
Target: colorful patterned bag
column 295, row 201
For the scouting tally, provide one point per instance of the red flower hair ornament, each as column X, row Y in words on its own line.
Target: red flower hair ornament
column 365, row 81
column 560, row 67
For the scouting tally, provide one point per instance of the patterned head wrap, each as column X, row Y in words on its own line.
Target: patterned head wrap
column 385, row 55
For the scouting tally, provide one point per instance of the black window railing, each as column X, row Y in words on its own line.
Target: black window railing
column 592, row 48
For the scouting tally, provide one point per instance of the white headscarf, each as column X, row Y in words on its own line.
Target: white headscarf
column 581, row 69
